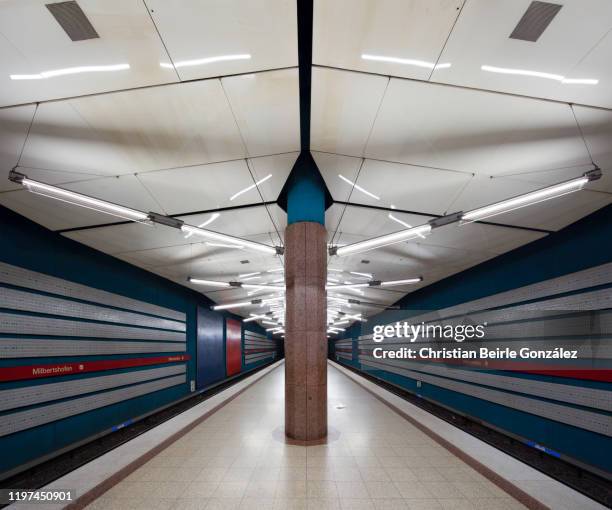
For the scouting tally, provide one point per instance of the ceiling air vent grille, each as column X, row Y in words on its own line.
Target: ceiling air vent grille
column 73, row 20
column 536, row 19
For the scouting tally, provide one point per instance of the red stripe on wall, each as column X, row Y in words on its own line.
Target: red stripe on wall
column 58, row 369
column 233, row 346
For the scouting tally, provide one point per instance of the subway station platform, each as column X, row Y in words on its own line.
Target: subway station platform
column 374, row 458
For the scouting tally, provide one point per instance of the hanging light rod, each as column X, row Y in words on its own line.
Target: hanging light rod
column 127, row 213
column 533, row 197
column 376, row 283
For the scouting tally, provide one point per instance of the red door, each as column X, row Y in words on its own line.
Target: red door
column 233, row 346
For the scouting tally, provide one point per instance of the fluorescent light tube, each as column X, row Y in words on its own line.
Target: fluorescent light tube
column 537, row 74
column 79, row 199
column 210, row 283
column 234, row 241
column 254, row 318
column 262, row 286
column 347, row 286
column 408, row 281
column 204, row 61
column 249, row 188
column 70, row 70
column 378, row 242
column 367, row 275
column 212, row 218
column 405, row 61
column 531, row 198
column 341, row 322
column 250, row 278
column 276, row 270
column 397, row 220
column 364, row 191
column 226, row 306
column 248, row 274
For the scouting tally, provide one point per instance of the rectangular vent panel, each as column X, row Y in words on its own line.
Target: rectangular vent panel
column 536, row 19
column 73, row 20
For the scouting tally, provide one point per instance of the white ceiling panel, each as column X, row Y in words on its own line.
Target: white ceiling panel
column 577, row 45
column 332, row 166
column 344, row 106
column 222, row 37
column 14, row 124
column 473, row 131
column 278, row 167
column 127, row 53
column 53, row 214
column 201, row 187
column 408, row 187
column 266, row 106
column 408, row 34
column 552, row 214
column 135, row 131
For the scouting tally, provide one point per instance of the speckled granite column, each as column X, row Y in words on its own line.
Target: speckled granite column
column 305, row 331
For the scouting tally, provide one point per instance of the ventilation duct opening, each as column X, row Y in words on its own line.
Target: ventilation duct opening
column 73, row 20
column 536, row 19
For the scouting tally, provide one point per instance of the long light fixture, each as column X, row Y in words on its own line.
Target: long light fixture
column 537, row 74
column 357, row 187
column 70, row 70
column 531, row 198
column 376, row 283
column 133, row 214
column 79, row 199
column 401, row 222
column 534, row 197
column 239, row 304
column 378, row 242
column 210, row 283
column 249, row 188
column 254, row 317
column 235, row 241
column 405, row 61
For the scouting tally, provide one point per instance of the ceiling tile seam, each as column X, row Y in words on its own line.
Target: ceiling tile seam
column 161, row 39
column 416, row 165
column 178, row 215
column 416, row 213
column 333, row 238
column 450, row 32
column 96, row 177
column 246, row 152
column 153, row 197
column 380, row 103
column 144, row 87
column 464, row 87
column 27, row 136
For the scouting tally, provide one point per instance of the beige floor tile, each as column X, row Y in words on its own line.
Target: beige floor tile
column 382, row 490
column 291, row 489
column 352, row 490
column 357, row 504
column 321, row 489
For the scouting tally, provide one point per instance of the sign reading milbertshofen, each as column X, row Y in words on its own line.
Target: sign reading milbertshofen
column 402, row 332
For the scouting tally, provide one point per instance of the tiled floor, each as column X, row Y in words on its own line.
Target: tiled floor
column 237, row 459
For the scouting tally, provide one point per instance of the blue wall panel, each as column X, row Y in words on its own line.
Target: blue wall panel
column 210, row 348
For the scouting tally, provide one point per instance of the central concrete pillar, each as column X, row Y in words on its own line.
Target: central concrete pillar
column 305, row 331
